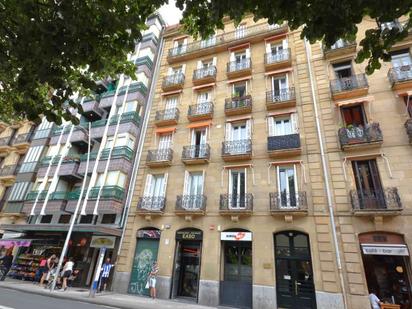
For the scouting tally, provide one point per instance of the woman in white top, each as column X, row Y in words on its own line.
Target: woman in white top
column 67, row 271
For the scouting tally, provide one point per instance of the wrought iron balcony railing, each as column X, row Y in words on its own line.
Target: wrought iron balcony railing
column 281, row 201
column 205, row 73
column 152, row 203
column 280, row 56
column 8, row 170
column 237, row 147
column 349, row 83
column 387, row 199
column 279, row 96
column 200, row 109
column 158, row 155
column 22, row 138
column 400, row 74
column 225, row 38
column 167, row 114
column 4, row 141
column 172, row 80
column 196, row 152
column 238, row 102
column 339, row 44
column 352, row 135
column 191, row 202
column 234, row 66
column 236, row 202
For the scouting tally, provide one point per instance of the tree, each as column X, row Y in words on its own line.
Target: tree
column 51, row 49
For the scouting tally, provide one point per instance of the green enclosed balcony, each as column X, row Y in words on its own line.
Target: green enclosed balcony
column 126, row 117
column 58, row 195
column 107, row 193
column 32, row 195
column 117, row 152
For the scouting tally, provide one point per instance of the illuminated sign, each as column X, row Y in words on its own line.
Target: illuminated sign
column 236, row 236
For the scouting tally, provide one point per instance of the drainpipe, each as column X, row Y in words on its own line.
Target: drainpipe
column 325, row 173
column 142, row 137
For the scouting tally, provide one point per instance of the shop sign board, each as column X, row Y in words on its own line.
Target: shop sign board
column 103, row 242
column 15, row 243
column 189, row 235
column 374, row 249
column 236, row 236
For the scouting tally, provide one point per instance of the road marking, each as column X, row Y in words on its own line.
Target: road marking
column 4, row 307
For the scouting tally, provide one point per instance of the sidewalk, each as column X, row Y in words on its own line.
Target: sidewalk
column 123, row 301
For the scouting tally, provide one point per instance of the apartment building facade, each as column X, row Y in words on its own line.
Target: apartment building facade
column 274, row 174
column 85, row 168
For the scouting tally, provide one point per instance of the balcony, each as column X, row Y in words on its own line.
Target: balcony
column 159, row 157
column 187, row 205
column 151, row 205
column 340, row 48
column 284, row 145
column 282, row 59
column 204, row 76
column 238, row 105
column 408, row 127
column 401, row 77
column 201, row 111
column 236, row 205
column 237, row 150
column 359, row 137
column 237, row 69
column 22, row 141
column 91, row 109
column 42, row 134
column 79, row 136
column 33, row 195
column 12, row 207
column 110, row 202
column 282, row 203
column 120, row 160
column 129, row 123
column 349, row 87
column 196, row 154
column 136, row 91
column 173, row 82
column 385, row 202
column 222, row 41
column 280, row 98
column 167, row 117
column 68, row 169
column 8, row 174
column 5, row 147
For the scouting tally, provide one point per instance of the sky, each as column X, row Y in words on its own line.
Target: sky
column 170, row 13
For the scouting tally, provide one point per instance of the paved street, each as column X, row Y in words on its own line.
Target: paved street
column 10, row 299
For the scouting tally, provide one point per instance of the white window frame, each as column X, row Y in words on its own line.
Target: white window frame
column 295, row 180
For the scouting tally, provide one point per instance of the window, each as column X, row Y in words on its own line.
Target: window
column 130, row 106
column 62, row 186
column 276, row 51
column 343, row 69
column 171, row 102
column 203, row 97
column 287, row 185
column 124, row 139
column 165, row 141
column 280, row 90
column 113, row 178
column 401, row 62
column 198, row 140
column 193, row 187
column 46, row 219
column 156, row 185
column 237, row 189
column 239, row 89
column 19, row 191
column 109, row 219
column 390, row 25
column 208, row 42
column 354, row 115
column 179, row 46
column 280, row 126
column 239, row 60
column 87, row 219
column 65, row 219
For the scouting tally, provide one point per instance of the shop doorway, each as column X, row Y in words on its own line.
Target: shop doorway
column 294, row 275
column 146, row 253
column 236, row 286
column 186, row 272
column 387, row 270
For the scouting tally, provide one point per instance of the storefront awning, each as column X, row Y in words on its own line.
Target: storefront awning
column 86, row 228
column 386, row 249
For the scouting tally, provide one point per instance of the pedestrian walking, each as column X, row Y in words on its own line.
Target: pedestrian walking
column 67, row 272
column 105, row 274
column 50, row 263
column 6, row 262
column 374, row 300
column 152, row 279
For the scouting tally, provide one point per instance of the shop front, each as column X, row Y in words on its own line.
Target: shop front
column 186, row 273
column 236, row 283
column 147, row 246
column 294, row 276
column 387, row 268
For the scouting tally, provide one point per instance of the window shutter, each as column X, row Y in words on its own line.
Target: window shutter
column 186, row 183
column 278, row 178
column 248, row 53
column 164, row 184
column 170, row 71
column 149, row 184
column 175, row 43
column 271, row 126
column 199, row 64
column 232, row 57
column 285, row 44
column 295, row 122
column 214, row 61
column 203, row 181
column 183, row 68
column 245, row 180
column 249, row 128
column 228, row 136
column 268, row 48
